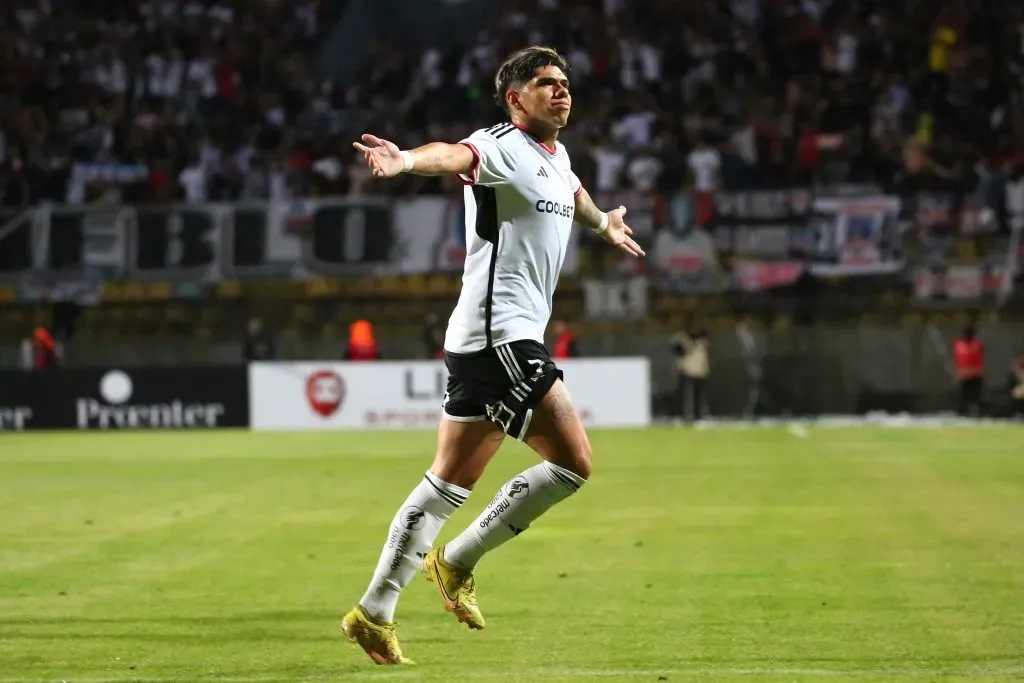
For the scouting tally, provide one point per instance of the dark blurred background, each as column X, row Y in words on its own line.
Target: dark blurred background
column 830, row 191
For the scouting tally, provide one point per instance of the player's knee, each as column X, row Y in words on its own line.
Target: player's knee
column 585, row 467
column 579, row 460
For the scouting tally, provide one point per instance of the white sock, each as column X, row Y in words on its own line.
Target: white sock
column 520, row 501
column 412, row 535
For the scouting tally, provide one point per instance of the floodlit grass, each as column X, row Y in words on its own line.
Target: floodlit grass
column 853, row 554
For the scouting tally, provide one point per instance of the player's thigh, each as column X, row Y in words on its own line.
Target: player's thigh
column 557, row 434
column 466, row 438
column 464, row 449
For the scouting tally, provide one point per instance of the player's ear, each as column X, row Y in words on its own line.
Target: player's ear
column 511, row 100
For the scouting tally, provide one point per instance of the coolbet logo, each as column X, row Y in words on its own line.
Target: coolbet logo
column 14, row 418
column 325, row 392
column 115, row 411
column 563, row 210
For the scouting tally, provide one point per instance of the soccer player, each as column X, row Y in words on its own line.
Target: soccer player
column 521, row 199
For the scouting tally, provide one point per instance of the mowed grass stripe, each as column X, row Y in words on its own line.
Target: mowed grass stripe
column 873, row 554
column 413, row 673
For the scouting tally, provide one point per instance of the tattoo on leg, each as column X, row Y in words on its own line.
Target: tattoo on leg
column 561, row 407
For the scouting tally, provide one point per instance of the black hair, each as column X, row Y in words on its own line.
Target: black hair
column 521, row 66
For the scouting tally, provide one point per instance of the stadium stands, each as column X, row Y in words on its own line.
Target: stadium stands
column 111, row 103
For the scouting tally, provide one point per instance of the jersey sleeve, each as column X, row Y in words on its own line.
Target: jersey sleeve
column 574, row 180
column 493, row 163
column 577, row 185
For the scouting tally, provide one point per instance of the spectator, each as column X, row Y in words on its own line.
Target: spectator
column 141, row 93
column 705, row 164
column 15, row 192
column 209, row 64
column 1016, row 386
column 433, row 337
column 259, row 344
column 693, row 366
column 743, row 143
column 255, row 183
column 752, row 353
column 193, row 182
column 219, row 100
column 609, row 161
column 643, row 170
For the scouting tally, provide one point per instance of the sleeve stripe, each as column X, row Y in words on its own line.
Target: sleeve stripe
column 465, row 180
column 499, row 130
column 579, row 190
column 501, row 133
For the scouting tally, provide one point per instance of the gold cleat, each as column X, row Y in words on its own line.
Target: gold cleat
column 457, row 588
column 379, row 640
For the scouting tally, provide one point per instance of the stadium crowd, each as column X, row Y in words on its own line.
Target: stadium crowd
column 152, row 100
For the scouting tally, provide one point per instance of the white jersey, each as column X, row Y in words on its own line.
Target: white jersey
column 520, row 203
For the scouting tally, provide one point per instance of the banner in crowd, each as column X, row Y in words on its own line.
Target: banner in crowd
column 137, row 398
column 67, row 252
column 751, row 226
column 765, row 225
column 948, row 213
column 197, row 243
column 771, row 237
column 962, row 282
column 757, row 276
column 945, row 227
column 608, row 392
column 856, row 236
column 615, row 299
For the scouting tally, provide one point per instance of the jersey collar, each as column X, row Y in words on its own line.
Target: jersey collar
column 552, row 150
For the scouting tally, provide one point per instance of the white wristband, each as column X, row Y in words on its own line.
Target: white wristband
column 603, row 225
column 407, row 161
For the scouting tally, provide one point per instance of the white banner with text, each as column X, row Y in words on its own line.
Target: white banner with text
column 607, row 392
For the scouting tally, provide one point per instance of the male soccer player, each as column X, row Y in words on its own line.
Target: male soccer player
column 521, row 198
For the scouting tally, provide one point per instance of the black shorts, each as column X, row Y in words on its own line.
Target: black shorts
column 502, row 384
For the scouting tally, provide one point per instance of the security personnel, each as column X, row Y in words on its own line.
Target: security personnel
column 969, row 358
column 565, row 342
column 44, row 350
column 361, row 342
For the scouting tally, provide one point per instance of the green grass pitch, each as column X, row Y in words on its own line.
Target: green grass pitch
column 862, row 554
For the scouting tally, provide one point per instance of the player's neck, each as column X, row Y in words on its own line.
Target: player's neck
column 544, row 134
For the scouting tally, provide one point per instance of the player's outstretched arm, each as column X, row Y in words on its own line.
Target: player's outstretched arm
column 436, row 158
column 610, row 226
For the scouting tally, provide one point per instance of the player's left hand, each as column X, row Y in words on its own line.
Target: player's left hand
column 619, row 234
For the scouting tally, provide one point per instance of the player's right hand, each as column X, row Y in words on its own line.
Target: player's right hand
column 383, row 157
